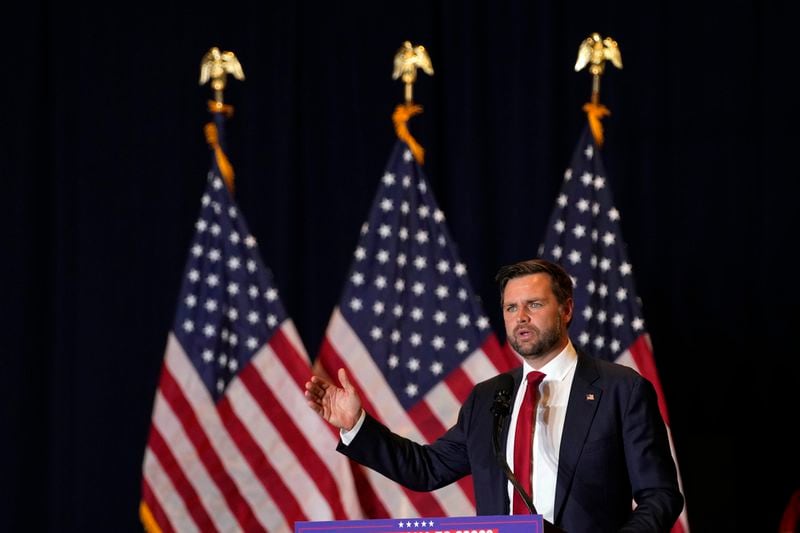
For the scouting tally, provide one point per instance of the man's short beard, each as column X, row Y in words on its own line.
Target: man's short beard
column 546, row 343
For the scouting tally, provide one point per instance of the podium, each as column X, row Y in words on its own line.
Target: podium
column 450, row 524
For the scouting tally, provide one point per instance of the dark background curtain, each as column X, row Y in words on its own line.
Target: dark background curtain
column 104, row 161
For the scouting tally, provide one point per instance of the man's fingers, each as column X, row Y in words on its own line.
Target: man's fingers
column 314, row 392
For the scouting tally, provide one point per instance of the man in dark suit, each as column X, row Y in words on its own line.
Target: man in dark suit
column 600, row 454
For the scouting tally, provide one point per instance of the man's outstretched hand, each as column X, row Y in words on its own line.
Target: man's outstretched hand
column 339, row 406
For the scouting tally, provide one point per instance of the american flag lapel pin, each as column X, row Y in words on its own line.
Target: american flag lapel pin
column 590, row 396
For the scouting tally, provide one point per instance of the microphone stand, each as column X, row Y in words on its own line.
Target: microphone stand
column 500, row 410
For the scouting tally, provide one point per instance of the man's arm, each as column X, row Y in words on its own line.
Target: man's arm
column 420, row 467
column 652, row 471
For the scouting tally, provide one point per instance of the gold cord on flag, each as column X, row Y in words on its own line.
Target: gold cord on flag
column 148, row 521
column 595, row 51
column 595, row 113
column 225, row 167
column 406, row 62
column 400, row 117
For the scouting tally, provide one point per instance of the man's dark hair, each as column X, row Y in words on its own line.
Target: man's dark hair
column 559, row 279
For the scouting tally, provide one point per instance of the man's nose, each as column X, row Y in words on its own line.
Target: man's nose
column 522, row 315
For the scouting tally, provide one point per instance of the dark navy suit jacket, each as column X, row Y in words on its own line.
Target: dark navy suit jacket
column 614, row 450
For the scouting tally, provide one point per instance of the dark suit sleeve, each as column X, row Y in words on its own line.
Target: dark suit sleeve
column 652, row 472
column 413, row 465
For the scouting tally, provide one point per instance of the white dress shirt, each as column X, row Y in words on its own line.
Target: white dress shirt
column 551, row 410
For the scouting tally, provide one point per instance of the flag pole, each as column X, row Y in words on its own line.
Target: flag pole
column 215, row 67
column 595, row 51
column 406, row 62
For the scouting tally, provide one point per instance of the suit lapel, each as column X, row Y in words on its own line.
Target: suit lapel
column 517, row 375
column 581, row 407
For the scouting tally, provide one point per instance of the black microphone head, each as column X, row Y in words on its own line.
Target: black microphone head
column 502, row 395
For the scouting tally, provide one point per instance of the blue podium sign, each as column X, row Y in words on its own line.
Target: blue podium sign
column 452, row 524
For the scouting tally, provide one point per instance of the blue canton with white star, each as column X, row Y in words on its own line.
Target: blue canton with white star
column 228, row 306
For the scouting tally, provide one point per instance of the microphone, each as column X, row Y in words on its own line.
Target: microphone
column 501, row 408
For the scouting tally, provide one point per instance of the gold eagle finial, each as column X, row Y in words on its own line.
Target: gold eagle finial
column 406, row 62
column 595, row 51
column 216, row 66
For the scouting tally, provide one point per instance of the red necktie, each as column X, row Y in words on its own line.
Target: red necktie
column 523, row 441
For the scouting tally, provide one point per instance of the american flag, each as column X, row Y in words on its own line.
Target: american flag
column 233, row 445
column 584, row 236
column 411, row 333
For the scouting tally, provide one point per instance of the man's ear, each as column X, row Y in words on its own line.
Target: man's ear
column 568, row 307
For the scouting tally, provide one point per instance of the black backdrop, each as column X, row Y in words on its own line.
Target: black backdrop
column 104, row 161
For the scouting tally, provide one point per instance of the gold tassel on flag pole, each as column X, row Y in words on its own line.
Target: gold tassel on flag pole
column 595, row 51
column 215, row 66
column 406, row 62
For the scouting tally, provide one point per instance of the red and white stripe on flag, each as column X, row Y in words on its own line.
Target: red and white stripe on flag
column 256, row 460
